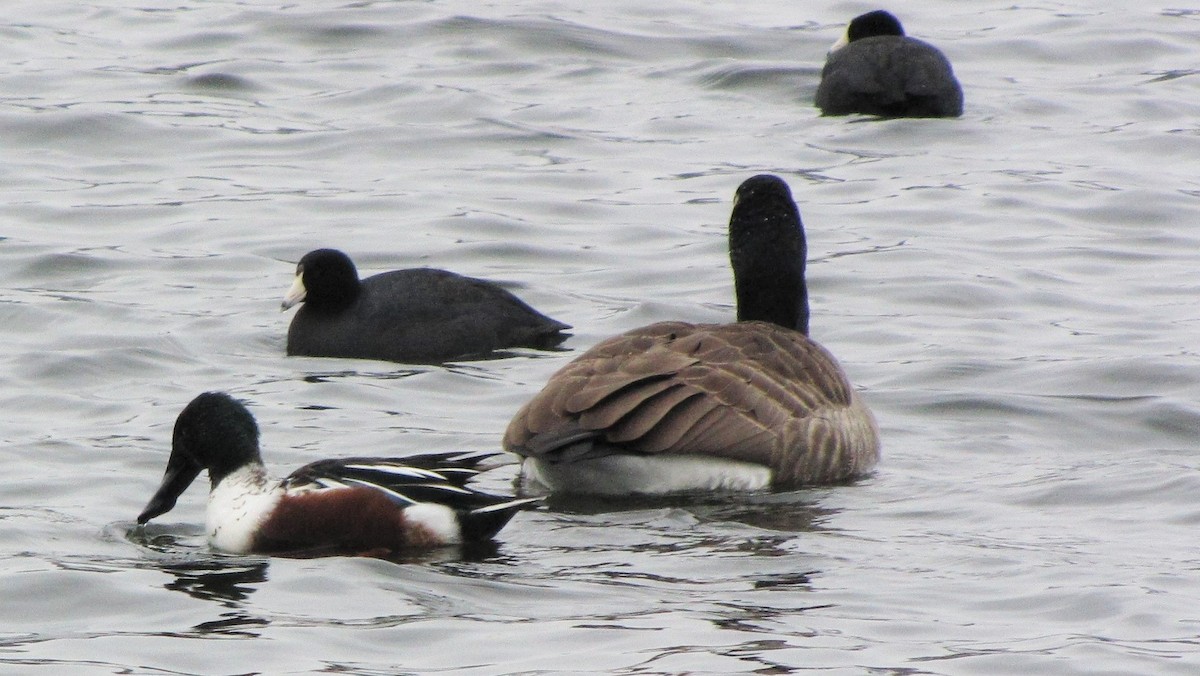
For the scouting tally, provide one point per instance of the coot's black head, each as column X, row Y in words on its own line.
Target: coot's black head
column 326, row 279
column 873, row 24
column 213, row 432
column 767, row 252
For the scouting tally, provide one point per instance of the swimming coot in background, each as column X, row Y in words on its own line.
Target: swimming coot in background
column 876, row 70
column 421, row 315
column 675, row 407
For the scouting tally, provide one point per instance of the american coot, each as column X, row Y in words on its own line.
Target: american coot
column 876, row 70
column 676, row 407
column 420, row 315
column 374, row 506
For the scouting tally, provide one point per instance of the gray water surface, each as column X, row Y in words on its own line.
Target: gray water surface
column 1015, row 292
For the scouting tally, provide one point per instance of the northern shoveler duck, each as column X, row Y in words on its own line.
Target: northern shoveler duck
column 375, row 506
column 875, row 69
column 419, row 315
column 675, row 407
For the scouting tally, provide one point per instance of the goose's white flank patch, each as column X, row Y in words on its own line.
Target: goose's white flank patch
column 648, row 474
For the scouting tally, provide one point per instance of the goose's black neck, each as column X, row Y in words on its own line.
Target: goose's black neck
column 767, row 251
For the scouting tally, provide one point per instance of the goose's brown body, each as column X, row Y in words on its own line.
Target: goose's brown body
column 752, row 391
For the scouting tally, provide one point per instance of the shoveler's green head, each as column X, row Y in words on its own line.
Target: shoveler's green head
column 214, row 432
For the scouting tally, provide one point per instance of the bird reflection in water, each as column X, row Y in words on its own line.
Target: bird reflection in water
column 226, row 582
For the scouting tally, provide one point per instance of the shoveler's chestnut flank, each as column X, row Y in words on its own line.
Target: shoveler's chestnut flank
column 688, row 407
column 421, row 315
column 356, row 505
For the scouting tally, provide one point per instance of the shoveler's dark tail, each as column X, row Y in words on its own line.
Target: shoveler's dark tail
column 483, row 523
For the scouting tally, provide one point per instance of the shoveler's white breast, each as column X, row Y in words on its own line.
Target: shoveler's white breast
column 622, row 474
column 238, row 506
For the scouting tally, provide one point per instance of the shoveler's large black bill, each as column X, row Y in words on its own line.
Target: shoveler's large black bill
column 180, row 474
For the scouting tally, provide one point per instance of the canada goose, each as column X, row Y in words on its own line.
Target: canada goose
column 876, row 70
column 417, row 315
column 675, row 407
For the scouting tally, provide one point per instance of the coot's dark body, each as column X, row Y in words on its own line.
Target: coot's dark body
column 418, row 315
column 880, row 71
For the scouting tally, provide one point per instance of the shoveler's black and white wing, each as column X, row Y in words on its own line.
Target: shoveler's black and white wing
column 431, row 478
